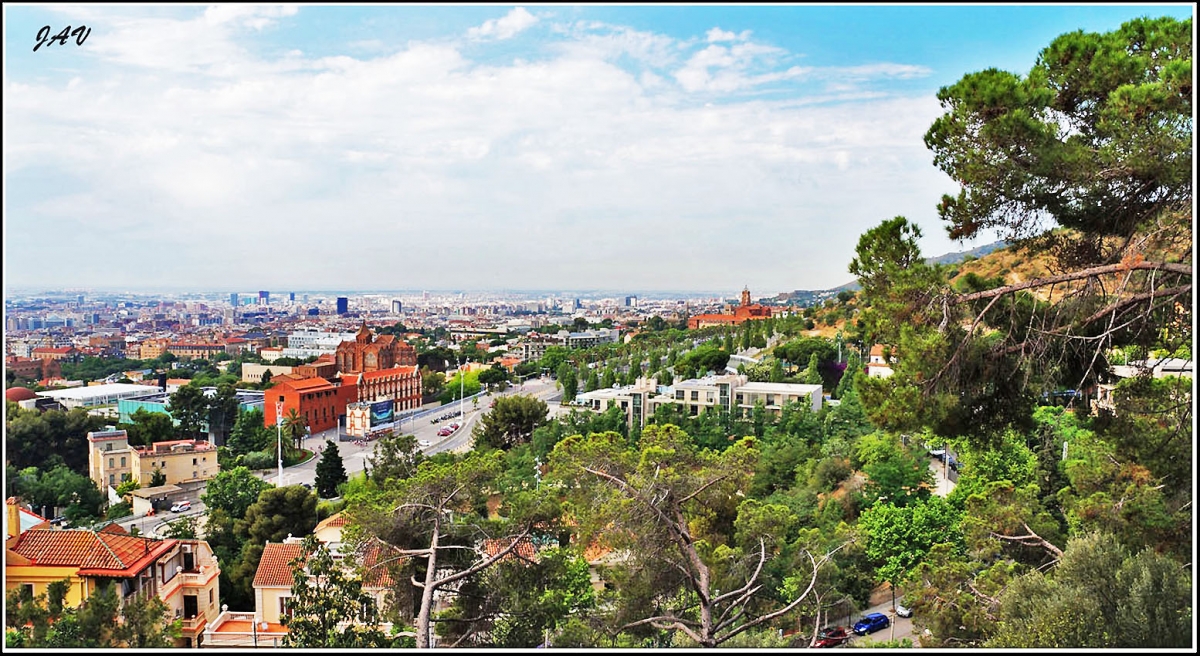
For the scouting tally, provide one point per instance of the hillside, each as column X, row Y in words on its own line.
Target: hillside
column 806, row 297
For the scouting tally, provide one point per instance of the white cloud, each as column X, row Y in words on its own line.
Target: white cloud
column 717, row 34
column 383, row 164
column 507, row 27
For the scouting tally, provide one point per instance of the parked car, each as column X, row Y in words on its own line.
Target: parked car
column 903, row 611
column 181, row 506
column 444, row 432
column 424, row 442
column 871, row 622
column 831, row 636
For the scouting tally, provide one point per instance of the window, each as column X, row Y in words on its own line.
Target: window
column 112, row 479
column 110, row 463
column 194, row 474
column 193, row 462
column 124, row 477
column 739, row 399
column 122, row 461
column 695, row 395
column 770, row 399
column 284, row 606
column 210, row 597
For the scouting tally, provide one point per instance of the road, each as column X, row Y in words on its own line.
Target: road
column 354, row 457
column 149, row 525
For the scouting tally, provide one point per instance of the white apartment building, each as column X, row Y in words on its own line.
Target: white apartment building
column 732, row 392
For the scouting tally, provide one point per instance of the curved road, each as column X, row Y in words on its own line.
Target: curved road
column 354, row 457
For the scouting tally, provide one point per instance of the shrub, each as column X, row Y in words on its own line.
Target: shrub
column 258, row 460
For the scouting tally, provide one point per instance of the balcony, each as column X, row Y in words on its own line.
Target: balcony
column 193, row 625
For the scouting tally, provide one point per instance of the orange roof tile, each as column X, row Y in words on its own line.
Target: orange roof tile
column 306, row 384
column 274, row 568
column 333, row 521
column 524, row 549
column 104, row 553
column 378, row 567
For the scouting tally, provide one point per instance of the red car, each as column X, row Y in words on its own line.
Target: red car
column 831, row 636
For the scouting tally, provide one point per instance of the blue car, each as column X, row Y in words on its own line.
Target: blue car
column 871, row 623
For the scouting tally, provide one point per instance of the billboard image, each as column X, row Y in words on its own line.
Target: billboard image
column 381, row 413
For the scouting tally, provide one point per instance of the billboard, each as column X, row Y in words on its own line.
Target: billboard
column 381, row 413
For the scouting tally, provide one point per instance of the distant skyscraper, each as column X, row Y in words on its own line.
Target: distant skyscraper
column 292, row 296
column 264, row 298
column 80, row 299
column 630, row 301
column 342, row 305
column 575, row 305
column 233, row 299
column 397, row 307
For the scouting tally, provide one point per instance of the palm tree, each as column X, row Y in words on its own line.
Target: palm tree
column 296, row 426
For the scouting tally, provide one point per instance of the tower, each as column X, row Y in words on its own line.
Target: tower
column 746, row 296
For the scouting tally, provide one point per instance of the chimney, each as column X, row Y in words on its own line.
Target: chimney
column 12, row 520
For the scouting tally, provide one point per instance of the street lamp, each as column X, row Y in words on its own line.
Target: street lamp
column 279, row 440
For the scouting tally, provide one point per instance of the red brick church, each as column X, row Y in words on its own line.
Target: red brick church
column 370, row 353
column 747, row 311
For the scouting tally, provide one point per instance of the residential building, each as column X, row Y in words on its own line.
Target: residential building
column 590, row 338
column 273, row 582
column 112, row 461
column 253, row 373
column 195, row 350
column 183, row 573
column 152, row 349
column 879, row 366
column 747, row 311
column 62, row 353
column 270, row 353
column 634, row 400
column 730, row 392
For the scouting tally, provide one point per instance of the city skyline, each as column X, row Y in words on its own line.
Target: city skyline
column 485, row 148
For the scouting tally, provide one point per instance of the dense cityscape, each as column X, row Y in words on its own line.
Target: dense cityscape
column 981, row 447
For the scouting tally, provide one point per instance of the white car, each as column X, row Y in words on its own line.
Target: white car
column 903, row 611
column 424, row 442
column 181, row 506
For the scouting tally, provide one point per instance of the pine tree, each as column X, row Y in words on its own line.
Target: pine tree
column 812, row 375
column 330, row 471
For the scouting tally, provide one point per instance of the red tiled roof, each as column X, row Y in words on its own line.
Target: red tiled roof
column 114, row 528
column 381, row 576
column 332, row 521
column 47, row 349
column 104, row 553
column 307, row 384
column 523, row 550
column 274, row 568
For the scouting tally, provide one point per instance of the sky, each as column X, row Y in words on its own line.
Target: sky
column 705, row 148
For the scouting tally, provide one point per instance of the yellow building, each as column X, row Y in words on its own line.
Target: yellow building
column 273, row 589
column 112, row 461
column 183, row 573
